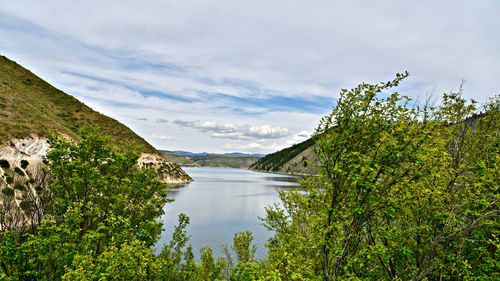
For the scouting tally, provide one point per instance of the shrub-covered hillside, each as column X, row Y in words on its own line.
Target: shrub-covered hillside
column 296, row 159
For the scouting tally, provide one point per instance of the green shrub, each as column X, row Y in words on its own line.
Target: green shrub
column 28, row 82
column 4, row 163
column 19, row 186
column 26, row 206
column 24, row 164
column 19, row 171
column 9, row 179
column 7, row 191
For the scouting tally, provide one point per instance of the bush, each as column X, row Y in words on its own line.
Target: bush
column 9, row 179
column 19, row 171
column 4, row 163
column 24, row 164
column 26, row 206
column 7, row 191
column 19, row 186
column 28, row 82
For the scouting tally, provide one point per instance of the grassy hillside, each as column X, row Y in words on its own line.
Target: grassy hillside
column 209, row 160
column 224, row 160
column 296, row 159
column 178, row 158
column 31, row 106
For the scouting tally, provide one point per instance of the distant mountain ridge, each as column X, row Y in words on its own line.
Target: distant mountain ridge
column 204, row 159
column 188, row 153
column 31, row 108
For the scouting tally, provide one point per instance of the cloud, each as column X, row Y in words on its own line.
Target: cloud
column 252, row 147
column 184, row 123
column 161, row 120
column 161, row 137
column 232, row 131
column 299, row 137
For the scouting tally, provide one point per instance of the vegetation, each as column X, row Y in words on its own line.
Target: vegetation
column 24, row 164
column 404, row 193
column 210, row 160
column 291, row 160
column 224, row 160
column 178, row 158
column 4, row 164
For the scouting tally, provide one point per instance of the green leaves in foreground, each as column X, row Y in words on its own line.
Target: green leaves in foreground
column 404, row 193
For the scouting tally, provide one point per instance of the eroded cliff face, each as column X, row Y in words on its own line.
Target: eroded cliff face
column 24, row 176
column 168, row 172
column 34, row 150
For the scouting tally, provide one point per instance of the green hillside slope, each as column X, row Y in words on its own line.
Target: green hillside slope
column 296, row 159
column 30, row 106
column 224, row 160
column 210, row 160
column 178, row 158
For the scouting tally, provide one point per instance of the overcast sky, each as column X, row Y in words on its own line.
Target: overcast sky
column 249, row 76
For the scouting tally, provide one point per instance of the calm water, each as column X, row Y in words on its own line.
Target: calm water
column 221, row 202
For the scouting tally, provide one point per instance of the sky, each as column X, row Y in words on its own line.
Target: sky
column 247, row 76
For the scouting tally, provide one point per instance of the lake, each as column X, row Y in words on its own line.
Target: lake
column 221, row 202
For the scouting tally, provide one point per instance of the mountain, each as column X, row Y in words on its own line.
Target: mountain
column 228, row 160
column 30, row 109
column 298, row 159
column 245, row 154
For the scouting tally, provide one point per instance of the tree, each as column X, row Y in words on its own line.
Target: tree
column 98, row 198
column 403, row 193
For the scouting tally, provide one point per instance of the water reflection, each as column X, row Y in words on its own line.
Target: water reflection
column 221, row 202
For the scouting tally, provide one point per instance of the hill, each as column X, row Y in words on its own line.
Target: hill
column 30, row 109
column 228, row 160
column 178, row 158
column 298, row 159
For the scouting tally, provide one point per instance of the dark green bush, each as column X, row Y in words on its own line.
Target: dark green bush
column 9, row 179
column 7, row 191
column 28, row 82
column 19, row 171
column 24, row 164
column 26, row 206
column 4, row 163
column 19, row 186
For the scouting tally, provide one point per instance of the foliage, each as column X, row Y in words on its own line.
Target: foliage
column 4, row 164
column 24, row 164
column 274, row 161
column 19, row 171
column 403, row 193
column 99, row 201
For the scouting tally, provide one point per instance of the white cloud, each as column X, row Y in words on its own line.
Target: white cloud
column 299, row 137
column 232, row 131
column 252, row 147
column 161, row 137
